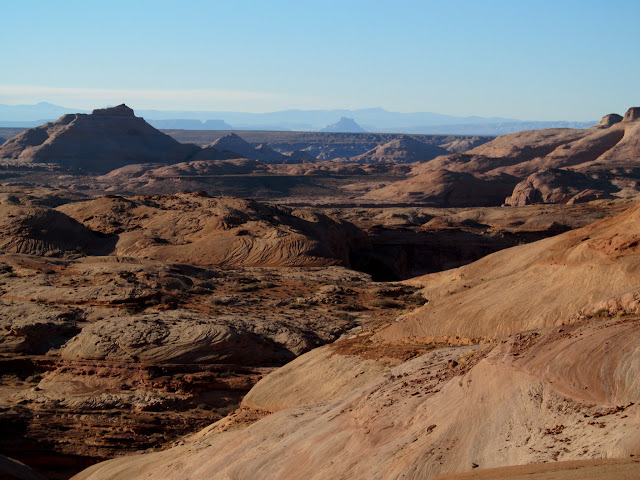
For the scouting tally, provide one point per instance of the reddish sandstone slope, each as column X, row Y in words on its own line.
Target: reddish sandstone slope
column 526, row 152
column 528, row 286
column 558, row 394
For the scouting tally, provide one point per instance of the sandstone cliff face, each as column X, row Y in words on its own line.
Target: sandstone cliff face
column 107, row 139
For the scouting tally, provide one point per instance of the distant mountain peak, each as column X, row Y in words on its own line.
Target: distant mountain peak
column 345, row 124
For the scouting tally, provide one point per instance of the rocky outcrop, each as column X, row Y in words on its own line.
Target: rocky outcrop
column 559, row 186
column 183, row 337
column 328, row 146
column 610, row 148
column 107, row 139
column 632, row 115
column 608, row 120
column 213, row 153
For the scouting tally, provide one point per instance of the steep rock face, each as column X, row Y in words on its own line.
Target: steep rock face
column 107, row 139
column 404, row 149
column 444, row 188
column 559, row 186
column 448, row 411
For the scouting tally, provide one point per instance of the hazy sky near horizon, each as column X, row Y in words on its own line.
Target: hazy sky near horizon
column 526, row 59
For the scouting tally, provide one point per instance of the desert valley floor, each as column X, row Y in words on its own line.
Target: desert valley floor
column 300, row 305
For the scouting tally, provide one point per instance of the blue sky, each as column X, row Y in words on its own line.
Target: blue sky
column 534, row 60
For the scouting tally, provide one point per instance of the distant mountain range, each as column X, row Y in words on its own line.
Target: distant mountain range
column 370, row 119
